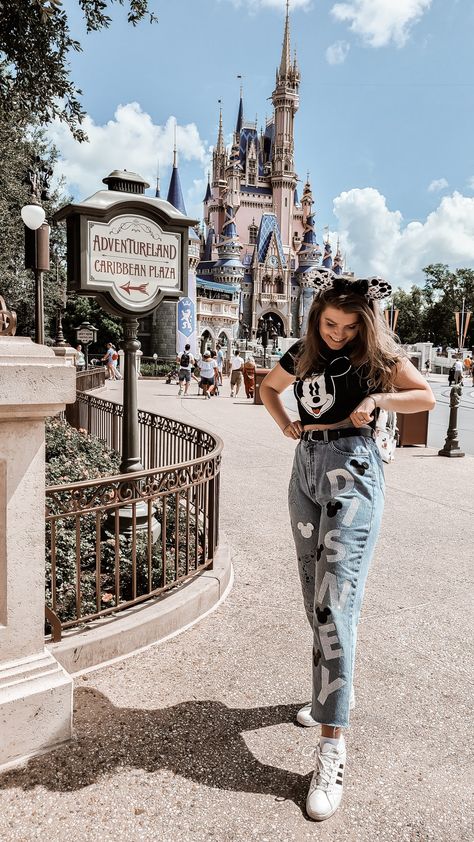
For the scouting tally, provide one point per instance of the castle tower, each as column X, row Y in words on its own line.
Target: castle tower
column 216, row 205
column 229, row 269
column 338, row 265
column 327, row 256
column 285, row 99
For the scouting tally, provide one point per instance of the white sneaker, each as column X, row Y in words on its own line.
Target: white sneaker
column 232, row 394
column 325, row 791
column 303, row 717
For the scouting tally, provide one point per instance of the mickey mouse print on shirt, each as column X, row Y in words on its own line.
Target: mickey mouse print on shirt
column 328, row 396
column 317, row 394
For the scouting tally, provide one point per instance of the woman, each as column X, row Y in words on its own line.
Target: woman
column 248, row 369
column 80, row 358
column 207, row 368
column 346, row 368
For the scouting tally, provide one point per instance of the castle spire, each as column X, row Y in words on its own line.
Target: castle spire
column 157, row 191
column 175, row 194
column 208, row 190
column 285, row 62
column 220, row 145
column 240, row 115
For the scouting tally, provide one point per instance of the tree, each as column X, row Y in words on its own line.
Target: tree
column 444, row 292
column 35, row 43
column 19, row 149
column 410, row 314
column 81, row 308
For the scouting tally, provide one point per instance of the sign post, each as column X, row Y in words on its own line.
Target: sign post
column 130, row 252
column 85, row 334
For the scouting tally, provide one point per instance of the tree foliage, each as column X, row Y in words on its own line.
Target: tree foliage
column 35, row 47
column 20, row 145
column 426, row 314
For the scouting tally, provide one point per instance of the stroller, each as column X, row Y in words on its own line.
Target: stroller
column 172, row 377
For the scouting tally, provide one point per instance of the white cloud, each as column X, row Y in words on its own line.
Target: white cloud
column 377, row 242
column 381, row 21
column 470, row 183
column 337, row 52
column 437, row 184
column 130, row 141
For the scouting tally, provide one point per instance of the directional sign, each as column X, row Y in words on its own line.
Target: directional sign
column 84, row 335
column 133, row 259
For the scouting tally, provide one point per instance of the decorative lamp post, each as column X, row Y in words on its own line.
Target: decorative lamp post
column 86, row 334
column 245, row 332
column 37, row 237
column 155, row 357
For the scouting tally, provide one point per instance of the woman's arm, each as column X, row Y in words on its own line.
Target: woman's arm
column 276, row 381
column 413, row 395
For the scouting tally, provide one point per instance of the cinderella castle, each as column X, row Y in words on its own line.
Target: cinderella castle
column 255, row 258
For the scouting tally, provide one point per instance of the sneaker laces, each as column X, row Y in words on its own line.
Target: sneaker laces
column 327, row 765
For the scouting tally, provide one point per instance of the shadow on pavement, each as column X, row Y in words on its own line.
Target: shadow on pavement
column 198, row 740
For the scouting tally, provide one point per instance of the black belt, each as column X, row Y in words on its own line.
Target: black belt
column 340, row 433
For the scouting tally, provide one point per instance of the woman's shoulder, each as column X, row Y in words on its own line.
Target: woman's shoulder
column 289, row 358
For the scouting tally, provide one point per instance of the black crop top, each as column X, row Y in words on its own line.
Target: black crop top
column 329, row 396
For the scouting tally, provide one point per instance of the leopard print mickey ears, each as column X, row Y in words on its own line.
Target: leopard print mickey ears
column 371, row 288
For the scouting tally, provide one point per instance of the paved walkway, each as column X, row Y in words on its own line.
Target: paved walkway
column 194, row 739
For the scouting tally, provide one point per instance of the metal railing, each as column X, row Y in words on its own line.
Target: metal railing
column 117, row 541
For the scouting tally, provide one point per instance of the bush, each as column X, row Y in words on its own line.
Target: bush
column 162, row 369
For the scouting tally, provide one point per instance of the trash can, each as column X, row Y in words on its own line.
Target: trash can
column 413, row 428
column 260, row 373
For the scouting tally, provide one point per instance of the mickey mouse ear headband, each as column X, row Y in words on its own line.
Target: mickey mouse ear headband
column 370, row 288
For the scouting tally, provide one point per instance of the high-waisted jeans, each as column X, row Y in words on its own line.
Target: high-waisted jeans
column 336, row 498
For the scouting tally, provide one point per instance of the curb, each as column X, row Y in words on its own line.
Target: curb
column 140, row 627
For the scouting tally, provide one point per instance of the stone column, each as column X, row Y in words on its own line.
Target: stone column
column 35, row 691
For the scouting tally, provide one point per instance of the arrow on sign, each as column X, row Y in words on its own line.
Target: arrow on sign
column 128, row 288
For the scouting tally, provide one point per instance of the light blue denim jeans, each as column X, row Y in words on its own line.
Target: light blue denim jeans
column 336, row 498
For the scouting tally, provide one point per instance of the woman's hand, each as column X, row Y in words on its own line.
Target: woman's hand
column 364, row 413
column 293, row 430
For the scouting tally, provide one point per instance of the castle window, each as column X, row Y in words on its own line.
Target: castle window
column 253, row 231
column 251, row 171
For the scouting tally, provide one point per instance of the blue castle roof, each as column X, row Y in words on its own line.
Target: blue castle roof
column 175, row 194
column 268, row 228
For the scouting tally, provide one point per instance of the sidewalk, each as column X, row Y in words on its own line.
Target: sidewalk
column 194, row 739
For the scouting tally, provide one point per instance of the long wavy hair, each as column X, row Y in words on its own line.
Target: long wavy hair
column 374, row 349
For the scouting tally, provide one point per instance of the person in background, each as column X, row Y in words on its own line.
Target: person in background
column 220, row 362
column 236, row 373
column 80, row 358
column 110, row 359
column 216, row 373
column 248, row 369
column 458, row 370
column 207, row 367
column 186, row 364
column 427, row 367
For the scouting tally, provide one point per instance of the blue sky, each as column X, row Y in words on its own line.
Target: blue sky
column 385, row 124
